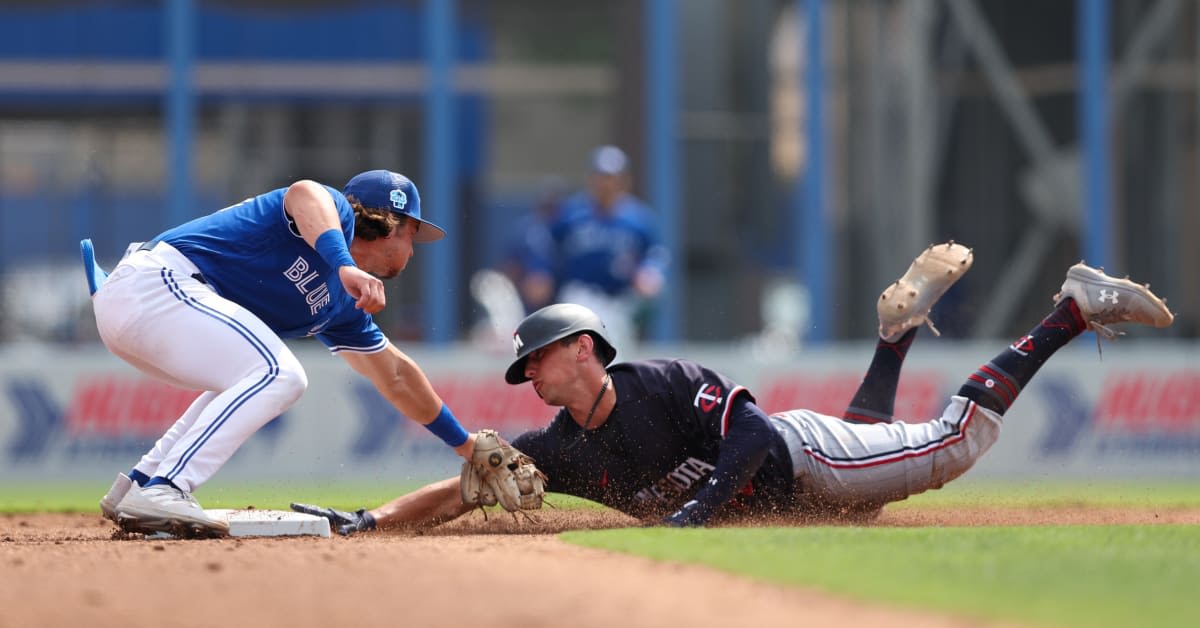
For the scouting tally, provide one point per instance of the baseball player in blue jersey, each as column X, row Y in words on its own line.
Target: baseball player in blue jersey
column 674, row 442
column 605, row 251
column 206, row 306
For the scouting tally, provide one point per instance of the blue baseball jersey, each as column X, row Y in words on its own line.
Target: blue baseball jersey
column 252, row 254
column 603, row 250
column 661, row 445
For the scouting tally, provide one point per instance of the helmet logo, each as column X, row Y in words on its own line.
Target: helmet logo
column 399, row 199
column 517, row 343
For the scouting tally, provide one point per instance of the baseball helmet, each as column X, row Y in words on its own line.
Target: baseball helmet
column 551, row 323
column 383, row 189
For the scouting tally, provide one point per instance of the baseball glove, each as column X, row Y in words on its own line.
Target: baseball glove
column 499, row 473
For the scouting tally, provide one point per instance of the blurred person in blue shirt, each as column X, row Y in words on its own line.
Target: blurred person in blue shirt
column 606, row 253
column 530, row 244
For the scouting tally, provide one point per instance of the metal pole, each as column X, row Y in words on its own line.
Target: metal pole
column 662, row 164
column 815, row 236
column 439, row 193
column 180, row 110
column 1094, row 125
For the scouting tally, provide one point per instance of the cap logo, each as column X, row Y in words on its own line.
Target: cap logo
column 517, row 343
column 399, row 199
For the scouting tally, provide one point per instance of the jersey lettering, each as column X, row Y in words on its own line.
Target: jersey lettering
column 298, row 273
column 318, row 298
column 677, row 481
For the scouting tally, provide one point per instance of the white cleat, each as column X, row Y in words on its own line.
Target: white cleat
column 108, row 503
column 164, row 508
column 1104, row 300
column 906, row 303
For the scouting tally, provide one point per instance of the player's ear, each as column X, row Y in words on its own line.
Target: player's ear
column 586, row 346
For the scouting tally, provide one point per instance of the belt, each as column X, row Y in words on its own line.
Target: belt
column 146, row 246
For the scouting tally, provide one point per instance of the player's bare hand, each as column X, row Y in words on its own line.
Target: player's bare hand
column 466, row 449
column 648, row 282
column 366, row 289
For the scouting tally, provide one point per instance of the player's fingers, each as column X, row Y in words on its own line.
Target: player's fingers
column 373, row 297
column 309, row 509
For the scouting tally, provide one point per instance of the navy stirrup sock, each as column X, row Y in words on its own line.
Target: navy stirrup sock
column 875, row 399
column 138, row 477
column 995, row 385
column 158, row 479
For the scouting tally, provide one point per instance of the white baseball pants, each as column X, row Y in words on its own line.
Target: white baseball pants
column 848, row 465
column 155, row 315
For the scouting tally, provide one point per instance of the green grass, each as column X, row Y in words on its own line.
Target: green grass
column 1056, row 576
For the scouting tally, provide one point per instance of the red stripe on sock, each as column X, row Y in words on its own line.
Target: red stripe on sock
column 1004, row 398
column 1012, row 389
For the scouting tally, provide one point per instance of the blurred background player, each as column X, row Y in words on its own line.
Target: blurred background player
column 206, row 305
column 531, row 243
column 605, row 253
column 674, row 442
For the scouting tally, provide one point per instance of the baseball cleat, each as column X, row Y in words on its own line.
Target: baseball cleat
column 1104, row 300
column 906, row 303
column 108, row 503
column 164, row 508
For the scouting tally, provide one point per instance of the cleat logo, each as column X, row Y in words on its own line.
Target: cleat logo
column 1109, row 296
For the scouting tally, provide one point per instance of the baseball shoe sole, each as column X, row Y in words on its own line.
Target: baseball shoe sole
column 1104, row 300
column 906, row 303
column 177, row 529
column 164, row 508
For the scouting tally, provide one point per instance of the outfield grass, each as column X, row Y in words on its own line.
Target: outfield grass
column 1056, row 576
column 1044, row 575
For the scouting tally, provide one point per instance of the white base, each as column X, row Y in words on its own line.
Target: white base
column 271, row 523
column 266, row 523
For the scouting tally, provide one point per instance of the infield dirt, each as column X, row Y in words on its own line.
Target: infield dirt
column 75, row 570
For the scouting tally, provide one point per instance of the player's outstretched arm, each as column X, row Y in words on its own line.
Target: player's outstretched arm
column 398, row 378
column 742, row 452
column 423, row 508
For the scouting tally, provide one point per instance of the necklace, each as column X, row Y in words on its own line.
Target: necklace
column 595, row 404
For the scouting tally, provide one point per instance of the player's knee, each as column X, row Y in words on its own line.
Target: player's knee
column 291, row 381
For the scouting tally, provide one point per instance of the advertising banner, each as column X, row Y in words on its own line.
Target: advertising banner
column 1135, row 412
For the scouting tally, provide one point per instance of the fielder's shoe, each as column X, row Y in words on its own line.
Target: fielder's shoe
column 1104, row 300
column 108, row 503
column 164, row 508
column 906, row 303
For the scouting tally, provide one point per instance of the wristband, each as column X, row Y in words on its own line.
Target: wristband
column 331, row 246
column 447, row 428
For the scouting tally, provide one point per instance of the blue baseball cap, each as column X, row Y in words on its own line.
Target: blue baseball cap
column 384, row 189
